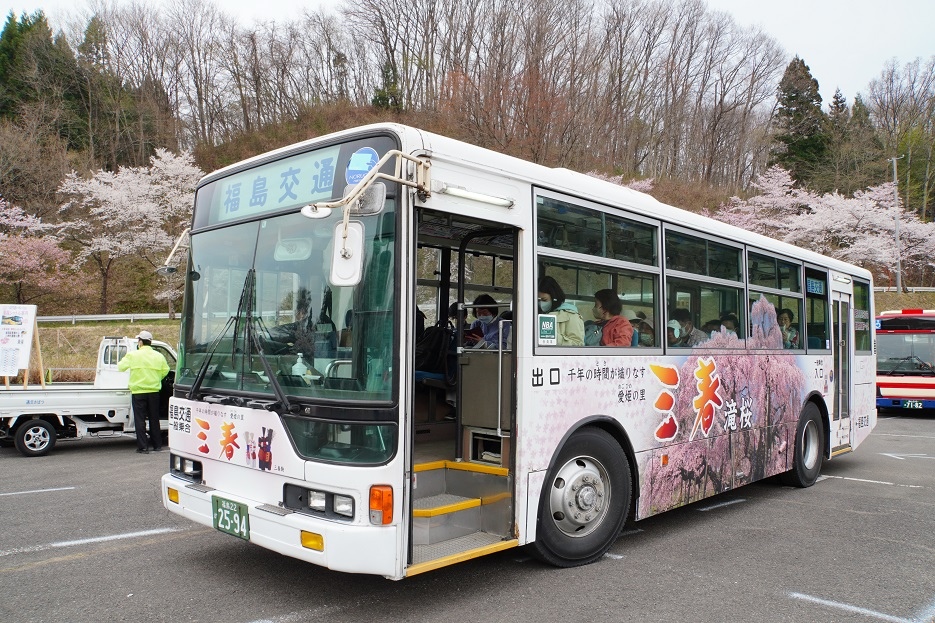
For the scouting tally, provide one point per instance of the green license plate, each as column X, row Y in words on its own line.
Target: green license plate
column 912, row 404
column 231, row 517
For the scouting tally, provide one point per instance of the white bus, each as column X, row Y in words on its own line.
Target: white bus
column 300, row 423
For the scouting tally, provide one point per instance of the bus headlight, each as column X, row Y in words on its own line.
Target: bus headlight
column 344, row 505
column 318, row 503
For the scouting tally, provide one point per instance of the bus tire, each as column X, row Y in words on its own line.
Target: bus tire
column 809, row 450
column 35, row 438
column 585, row 500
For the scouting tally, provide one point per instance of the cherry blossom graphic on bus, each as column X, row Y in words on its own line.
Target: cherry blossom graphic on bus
column 745, row 406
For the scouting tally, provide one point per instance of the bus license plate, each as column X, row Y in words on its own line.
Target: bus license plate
column 912, row 404
column 231, row 517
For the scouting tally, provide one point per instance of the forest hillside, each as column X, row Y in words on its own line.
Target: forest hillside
column 109, row 122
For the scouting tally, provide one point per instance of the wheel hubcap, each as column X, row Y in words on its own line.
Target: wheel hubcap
column 579, row 498
column 36, row 438
column 810, row 444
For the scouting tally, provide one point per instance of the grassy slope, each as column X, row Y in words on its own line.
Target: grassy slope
column 71, row 349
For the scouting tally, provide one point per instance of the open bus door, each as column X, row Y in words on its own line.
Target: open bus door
column 462, row 486
column 841, row 433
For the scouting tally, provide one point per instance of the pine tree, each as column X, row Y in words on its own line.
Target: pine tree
column 801, row 134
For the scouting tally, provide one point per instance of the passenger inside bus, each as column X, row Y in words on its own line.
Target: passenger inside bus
column 790, row 335
column 569, row 324
column 647, row 332
column 729, row 322
column 485, row 330
column 673, row 332
column 609, row 327
column 635, row 322
column 690, row 334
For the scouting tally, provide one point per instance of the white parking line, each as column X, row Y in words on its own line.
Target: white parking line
column 849, row 608
column 100, row 539
column 37, row 491
column 928, row 614
column 897, row 435
column 705, row 509
column 874, row 482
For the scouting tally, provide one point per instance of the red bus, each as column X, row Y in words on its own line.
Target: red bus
column 906, row 359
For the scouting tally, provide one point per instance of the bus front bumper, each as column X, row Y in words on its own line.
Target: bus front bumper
column 345, row 547
column 904, row 403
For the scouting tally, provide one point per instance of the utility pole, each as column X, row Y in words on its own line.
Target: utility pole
column 899, row 262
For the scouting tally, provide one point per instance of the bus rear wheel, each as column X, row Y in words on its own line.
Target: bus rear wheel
column 809, row 449
column 584, row 500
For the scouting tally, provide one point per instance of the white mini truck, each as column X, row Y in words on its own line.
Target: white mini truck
column 33, row 418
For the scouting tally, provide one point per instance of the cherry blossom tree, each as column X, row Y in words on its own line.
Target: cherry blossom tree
column 113, row 217
column 31, row 261
column 173, row 179
column 860, row 229
column 643, row 186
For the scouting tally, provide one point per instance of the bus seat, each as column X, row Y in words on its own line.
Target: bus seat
column 814, row 342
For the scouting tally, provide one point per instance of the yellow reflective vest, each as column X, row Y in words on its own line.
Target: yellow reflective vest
column 147, row 369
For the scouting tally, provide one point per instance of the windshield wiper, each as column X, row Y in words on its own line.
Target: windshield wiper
column 920, row 364
column 244, row 321
column 253, row 322
column 200, row 377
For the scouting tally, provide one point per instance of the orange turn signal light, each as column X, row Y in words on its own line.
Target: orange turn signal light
column 381, row 505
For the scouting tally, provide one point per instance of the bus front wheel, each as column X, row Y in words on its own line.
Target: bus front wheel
column 809, row 448
column 585, row 500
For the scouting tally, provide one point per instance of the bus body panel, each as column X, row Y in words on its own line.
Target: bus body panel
column 349, row 548
column 355, row 545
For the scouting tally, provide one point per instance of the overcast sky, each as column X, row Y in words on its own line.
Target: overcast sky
column 845, row 43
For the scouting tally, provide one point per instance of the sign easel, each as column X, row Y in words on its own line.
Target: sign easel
column 19, row 330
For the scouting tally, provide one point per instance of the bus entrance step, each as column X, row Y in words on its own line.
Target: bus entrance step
column 452, row 499
column 459, row 548
column 444, row 517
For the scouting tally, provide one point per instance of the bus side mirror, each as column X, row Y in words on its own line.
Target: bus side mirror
column 347, row 255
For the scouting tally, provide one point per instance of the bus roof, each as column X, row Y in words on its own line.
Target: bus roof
column 559, row 179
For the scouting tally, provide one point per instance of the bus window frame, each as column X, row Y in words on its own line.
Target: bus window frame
column 602, row 264
column 687, row 231
column 790, row 294
column 806, row 266
column 704, row 279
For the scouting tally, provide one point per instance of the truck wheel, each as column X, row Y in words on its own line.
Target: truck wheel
column 585, row 500
column 35, row 438
column 809, row 449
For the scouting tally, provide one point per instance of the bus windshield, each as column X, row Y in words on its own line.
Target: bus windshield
column 906, row 353
column 263, row 285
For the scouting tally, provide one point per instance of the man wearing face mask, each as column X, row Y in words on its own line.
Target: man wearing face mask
column 487, row 325
column 570, row 326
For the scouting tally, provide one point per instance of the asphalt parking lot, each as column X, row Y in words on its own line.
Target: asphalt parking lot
column 85, row 538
